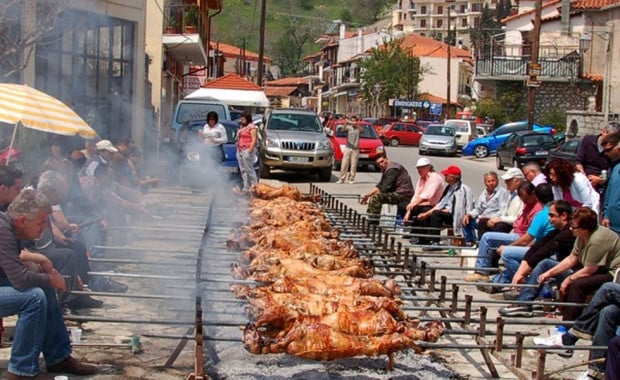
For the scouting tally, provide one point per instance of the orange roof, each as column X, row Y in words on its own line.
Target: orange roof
column 289, row 81
column 279, row 91
column 421, row 46
column 432, row 98
column 592, row 4
column 235, row 51
column 593, row 77
column 530, row 12
column 232, row 82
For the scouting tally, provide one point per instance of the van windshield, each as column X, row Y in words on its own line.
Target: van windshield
column 461, row 126
column 199, row 111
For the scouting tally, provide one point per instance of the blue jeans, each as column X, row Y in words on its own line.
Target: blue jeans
column 511, row 256
column 531, row 293
column 599, row 320
column 40, row 328
column 469, row 230
column 488, row 245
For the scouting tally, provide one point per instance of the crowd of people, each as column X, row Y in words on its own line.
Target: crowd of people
column 553, row 226
column 51, row 223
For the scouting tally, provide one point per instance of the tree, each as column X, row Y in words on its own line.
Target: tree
column 490, row 24
column 389, row 72
column 17, row 44
column 289, row 48
column 369, row 11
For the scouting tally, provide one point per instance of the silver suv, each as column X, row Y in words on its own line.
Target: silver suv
column 292, row 139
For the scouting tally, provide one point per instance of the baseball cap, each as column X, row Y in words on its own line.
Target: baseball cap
column 512, row 173
column 422, row 162
column 106, row 145
column 452, row 170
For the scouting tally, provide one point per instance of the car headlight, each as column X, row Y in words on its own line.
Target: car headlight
column 272, row 143
column 380, row 148
column 193, row 156
column 323, row 145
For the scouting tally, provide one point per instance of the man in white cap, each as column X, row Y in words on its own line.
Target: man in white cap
column 427, row 193
column 105, row 149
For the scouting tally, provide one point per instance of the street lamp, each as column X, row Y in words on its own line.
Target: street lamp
column 585, row 41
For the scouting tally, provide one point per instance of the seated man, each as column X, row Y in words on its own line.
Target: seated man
column 456, row 201
column 597, row 323
column 30, row 294
column 487, row 255
column 427, row 193
column 556, row 245
column 394, row 187
column 513, row 253
column 592, row 262
column 491, row 202
column 513, row 178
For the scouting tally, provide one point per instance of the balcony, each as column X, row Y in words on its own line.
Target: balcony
column 557, row 64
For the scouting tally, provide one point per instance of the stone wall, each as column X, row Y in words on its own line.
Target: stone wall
column 580, row 123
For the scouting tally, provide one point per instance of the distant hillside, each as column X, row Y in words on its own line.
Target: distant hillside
column 240, row 19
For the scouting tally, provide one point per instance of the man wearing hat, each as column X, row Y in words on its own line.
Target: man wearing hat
column 428, row 192
column 457, row 199
column 105, row 148
column 503, row 223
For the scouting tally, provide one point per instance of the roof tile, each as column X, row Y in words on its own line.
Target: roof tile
column 232, row 82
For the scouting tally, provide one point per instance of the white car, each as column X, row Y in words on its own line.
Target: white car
column 465, row 130
column 438, row 138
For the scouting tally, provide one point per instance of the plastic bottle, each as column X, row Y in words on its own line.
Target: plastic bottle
column 548, row 295
column 604, row 175
column 399, row 224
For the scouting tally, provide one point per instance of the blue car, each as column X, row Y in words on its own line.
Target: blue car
column 483, row 146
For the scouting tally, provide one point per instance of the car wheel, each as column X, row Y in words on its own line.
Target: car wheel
column 498, row 163
column 394, row 141
column 325, row 174
column 481, row 151
column 264, row 170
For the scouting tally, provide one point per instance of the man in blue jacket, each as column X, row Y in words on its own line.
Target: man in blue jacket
column 611, row 205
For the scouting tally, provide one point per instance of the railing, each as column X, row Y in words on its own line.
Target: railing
column 566, row 68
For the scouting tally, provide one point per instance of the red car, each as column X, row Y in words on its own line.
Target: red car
column 401, row 133
column 370, row 143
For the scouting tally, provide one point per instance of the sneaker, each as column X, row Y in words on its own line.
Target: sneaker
column 111, row 286
column 351, row 182
column 489, row 288
column 554, row 340
column 83, row 301
column 516, row 311
column 511, row 295
column 477, row 277
column 340, row 181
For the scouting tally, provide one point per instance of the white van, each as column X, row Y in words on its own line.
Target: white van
column 465, row 131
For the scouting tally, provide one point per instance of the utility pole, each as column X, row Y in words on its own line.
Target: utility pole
column 533, row 67
column 449, row 74
column 261, row 43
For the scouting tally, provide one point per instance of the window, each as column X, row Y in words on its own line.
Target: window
column 423, row 23
column 440, row 9
column 440, row 23
column 464, row 22
column 423, row 9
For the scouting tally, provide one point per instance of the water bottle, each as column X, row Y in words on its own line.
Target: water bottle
column 604, row 175
column 548, row 295
column 399, row 224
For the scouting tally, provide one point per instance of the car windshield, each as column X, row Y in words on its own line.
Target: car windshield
column 367, row 132
column 199, row 111
column 294, row 122
column 461, row 126
column 439, row 130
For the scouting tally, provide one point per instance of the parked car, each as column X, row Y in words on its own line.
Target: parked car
column 401, row 133
column 438, row 138
column 525, row 146
column 465, row 130
column 370, row 143
column 568, row 150
column 484, row 146
column 484, row 129
column 196, row 165
column 294, row 139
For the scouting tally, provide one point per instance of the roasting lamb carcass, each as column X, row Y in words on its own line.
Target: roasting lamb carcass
column 264, row 191
column 274, row 268
column 328, row 285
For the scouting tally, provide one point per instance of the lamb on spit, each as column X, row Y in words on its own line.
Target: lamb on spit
column 316, row 299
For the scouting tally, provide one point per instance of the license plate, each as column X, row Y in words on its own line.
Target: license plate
column 298, row 159
column 229, row 169
column 541, row 152
column 364, row 155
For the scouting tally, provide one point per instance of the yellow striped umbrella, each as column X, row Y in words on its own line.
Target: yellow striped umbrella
column 37, row 110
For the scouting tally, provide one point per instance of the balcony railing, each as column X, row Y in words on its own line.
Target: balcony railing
column 516, row 68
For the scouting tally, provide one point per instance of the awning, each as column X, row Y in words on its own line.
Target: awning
column 187, row 48
column 242, row 98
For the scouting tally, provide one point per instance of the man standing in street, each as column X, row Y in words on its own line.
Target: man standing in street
column 611, row 204
column 351, row 152
column 29, row 293
column 591, row 158
column 394, row 187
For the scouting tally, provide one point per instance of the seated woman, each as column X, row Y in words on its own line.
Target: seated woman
column 571, row 185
